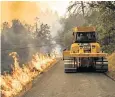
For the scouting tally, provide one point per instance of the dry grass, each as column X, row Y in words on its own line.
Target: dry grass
column 111, row 59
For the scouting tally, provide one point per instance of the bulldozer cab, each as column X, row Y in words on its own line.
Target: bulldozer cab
column 84, row 37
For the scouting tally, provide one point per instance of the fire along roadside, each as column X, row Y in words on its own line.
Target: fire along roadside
column 30, row 85
column 20, row 80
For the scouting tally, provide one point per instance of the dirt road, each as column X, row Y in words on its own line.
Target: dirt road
column 55, row 83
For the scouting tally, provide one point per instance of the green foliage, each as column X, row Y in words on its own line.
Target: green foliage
column 64, row 37
column 103, row 17
column 100, row 14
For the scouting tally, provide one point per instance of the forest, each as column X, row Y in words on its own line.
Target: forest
column 100, row 14
column 25, row 39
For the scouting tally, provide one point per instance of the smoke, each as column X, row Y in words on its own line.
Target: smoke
column 27, row 11
column 24, row 11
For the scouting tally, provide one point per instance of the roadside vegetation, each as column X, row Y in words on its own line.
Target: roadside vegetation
column 100, row 14
column 111, row 59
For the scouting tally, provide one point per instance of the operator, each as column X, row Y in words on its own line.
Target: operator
column 83, row 37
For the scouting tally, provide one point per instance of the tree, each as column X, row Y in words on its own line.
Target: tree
column 76, row 6
column 64, row 37
column 100, row 14
column 104, row 16
column 103, row 5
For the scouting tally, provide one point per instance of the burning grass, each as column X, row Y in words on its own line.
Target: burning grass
column 12, row 84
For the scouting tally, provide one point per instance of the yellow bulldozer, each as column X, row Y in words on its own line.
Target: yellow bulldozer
column 85, row 52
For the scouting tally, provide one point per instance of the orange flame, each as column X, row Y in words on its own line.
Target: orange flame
column 12, row 84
